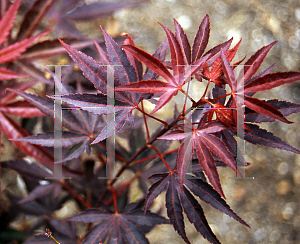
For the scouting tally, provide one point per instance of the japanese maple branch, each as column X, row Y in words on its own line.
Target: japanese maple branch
column 114, row 198
column 146, row 125
column 158, row 153
column 152, row 157
column 151, row 116
column 187, row 95
column 80, row 199
column 117, row 155
column 142, row 149
column 123, row 187
column 206, row 89
column 228, row 94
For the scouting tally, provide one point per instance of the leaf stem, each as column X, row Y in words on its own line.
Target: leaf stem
column 206, row 89
column 142, row 149
column 228, row 94
column 80, row 199
column 152, row 157
column 123, row 187
column 145, row 146
column 114, row 198
column 158, row 153
column 117, row 155
column 146, row 125
column 153, row 117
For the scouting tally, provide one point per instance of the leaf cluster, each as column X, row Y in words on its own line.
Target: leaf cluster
column 206, row 127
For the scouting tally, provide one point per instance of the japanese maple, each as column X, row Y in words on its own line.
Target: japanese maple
column 207, row 141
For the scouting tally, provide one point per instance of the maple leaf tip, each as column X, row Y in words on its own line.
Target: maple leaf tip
column 102, row 29
column 9, row 89
column 62, row 42
column 161, row 25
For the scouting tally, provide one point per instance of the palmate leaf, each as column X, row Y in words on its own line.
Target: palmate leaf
column 190, row 56
column 32, row 20
column 204, row 144
column 12, row 51
column 260, row 84
column 181, row 55
column 97, row 104
column 179, row 198
column 83, row 126
column 125, row 72
column 118, row 227
column 216, row 72
column 173, row 85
